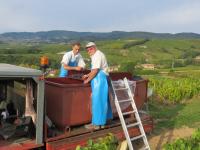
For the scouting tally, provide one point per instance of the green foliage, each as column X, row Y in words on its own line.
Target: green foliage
column 145, row 72
column 30, row 66
column 157, row 51
column 191, row 143
column 134, row 43
column 175, row 115
column 107, row 143
column 190, row 54
column 29, row 59
column 172, row 90
column 128, row 66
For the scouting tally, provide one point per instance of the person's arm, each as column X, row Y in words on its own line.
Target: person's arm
column 91, row 75
column 96, row 64
column 77, row 68
column 65, row 61
column 81, row 62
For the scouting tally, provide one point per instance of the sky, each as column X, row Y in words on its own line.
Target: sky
column 160, row 16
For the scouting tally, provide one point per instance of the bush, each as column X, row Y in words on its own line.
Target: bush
column 107, row 143
column 192, row 143
column 134, row 43
column 145, row 72
column 128, row 67
column 176, row 89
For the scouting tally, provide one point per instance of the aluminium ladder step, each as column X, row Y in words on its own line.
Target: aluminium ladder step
column 134, row 111
column 126, row 100
column 147, row 147
column 120, row 89
column 133, row 125
column 128, row 113
column 137, row 137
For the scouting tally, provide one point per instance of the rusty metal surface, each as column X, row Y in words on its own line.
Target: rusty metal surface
column 67, row 101
column 71, row 142
column 120, row 75
column 29, row 144
column 80, row 130
column 65, row 82
column 73, row 72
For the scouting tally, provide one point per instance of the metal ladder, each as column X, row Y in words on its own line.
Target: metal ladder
column 126, row 88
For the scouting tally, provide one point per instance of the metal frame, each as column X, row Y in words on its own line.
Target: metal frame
column 8, row 71
column 40, row 110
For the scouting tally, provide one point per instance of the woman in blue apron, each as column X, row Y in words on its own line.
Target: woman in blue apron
column 101, row 109
column 72, row 61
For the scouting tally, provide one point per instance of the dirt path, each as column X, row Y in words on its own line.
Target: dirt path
column 178, row 71
column 157, row 141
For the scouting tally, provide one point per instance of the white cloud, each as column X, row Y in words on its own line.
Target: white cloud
column 182, row 18
column 14, row 19
column 153, row 16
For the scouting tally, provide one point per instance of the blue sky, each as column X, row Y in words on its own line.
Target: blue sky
column 161, row 16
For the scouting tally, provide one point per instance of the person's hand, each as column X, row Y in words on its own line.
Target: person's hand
column 41, row 77
column 86, row 81
column 84, row 77
column 18, row 121
column 78, row 68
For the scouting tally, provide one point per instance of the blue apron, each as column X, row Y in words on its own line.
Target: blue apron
column 63, row 71
column 101, row 109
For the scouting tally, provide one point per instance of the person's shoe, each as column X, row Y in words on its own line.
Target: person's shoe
column 102, row 127
column 92, row 127
column 88, row 126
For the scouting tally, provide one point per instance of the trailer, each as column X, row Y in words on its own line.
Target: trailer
column 62, row 108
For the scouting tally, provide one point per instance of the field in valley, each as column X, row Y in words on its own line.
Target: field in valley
column 174, row 79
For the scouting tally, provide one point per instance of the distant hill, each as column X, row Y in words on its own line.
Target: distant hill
column 64, row 36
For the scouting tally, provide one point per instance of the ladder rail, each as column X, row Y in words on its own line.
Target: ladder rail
column 131, row 100
column 136, row 114
column 121, row 118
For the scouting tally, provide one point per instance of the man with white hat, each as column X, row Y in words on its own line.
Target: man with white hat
column 72, row 60
column 101, row 109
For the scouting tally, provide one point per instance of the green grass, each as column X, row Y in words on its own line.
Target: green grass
column 175, row 116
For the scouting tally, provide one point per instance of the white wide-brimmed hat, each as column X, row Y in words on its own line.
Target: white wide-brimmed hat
column 90, row 44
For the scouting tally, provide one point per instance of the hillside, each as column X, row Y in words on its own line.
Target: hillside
column 124, row 52
column 64, row 36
